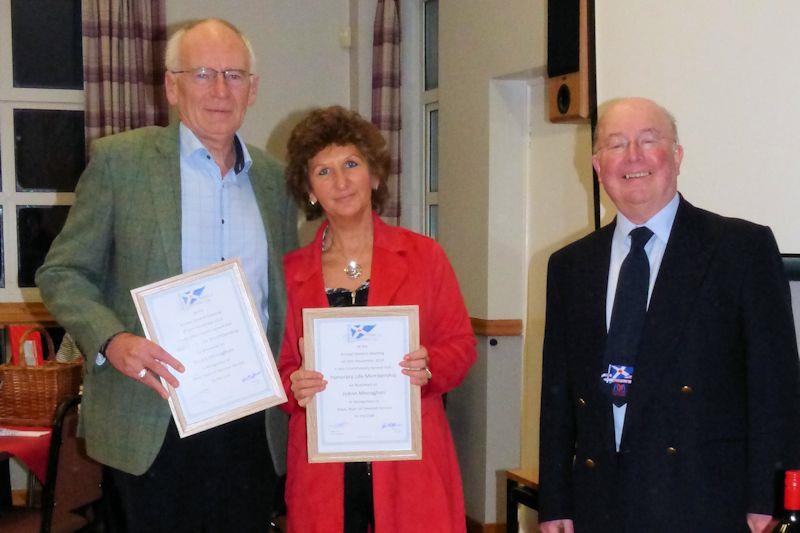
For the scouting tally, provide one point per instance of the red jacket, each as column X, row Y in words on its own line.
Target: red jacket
column 425, row 495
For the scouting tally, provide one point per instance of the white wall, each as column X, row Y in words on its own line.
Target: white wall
column 728, row 71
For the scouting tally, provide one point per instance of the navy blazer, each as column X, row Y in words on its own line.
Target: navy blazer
column 713, row 414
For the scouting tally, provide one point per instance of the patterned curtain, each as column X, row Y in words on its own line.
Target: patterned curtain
column 123, row 65
column 386, row 91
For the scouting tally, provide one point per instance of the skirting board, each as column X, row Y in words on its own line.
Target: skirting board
column 473, row 526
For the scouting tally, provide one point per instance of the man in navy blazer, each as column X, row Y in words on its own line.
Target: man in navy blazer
column 711, row 418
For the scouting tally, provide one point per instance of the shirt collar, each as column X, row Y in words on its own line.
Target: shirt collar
column 191, row 145
column 660, row 223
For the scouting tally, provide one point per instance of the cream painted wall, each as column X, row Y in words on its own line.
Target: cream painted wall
column 728, row 71
column 504, row 210
column 300, row 59
column 478, row 40
column 560, row 211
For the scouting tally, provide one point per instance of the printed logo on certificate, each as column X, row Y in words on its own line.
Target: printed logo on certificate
column 208, row 321
column 369, row 411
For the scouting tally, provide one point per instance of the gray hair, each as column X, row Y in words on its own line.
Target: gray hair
column 171, row 61
column 611, row 103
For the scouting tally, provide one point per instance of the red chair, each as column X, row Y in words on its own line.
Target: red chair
column 73, row 482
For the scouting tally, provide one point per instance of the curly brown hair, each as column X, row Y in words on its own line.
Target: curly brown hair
column 337, row 126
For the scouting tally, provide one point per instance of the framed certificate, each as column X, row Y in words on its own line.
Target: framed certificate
column 207, row 320
column 369, row 411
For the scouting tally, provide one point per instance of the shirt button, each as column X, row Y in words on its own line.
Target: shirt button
column 687, row 390
column 589, row 463
column 672, row 451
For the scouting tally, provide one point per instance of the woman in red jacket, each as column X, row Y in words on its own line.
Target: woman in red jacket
column 338, row 167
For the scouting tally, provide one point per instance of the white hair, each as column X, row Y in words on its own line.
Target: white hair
column 172, row 53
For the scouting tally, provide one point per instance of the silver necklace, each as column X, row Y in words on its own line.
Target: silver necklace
column 351, row 269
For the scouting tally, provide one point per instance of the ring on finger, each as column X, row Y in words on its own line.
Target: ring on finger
column 428, row 372
column 142, row 373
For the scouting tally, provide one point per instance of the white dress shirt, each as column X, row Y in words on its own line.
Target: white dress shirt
column 220, row 218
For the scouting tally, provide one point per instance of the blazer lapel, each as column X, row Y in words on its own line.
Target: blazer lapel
column 683, row 269
column 163, row 169
column 595, row 279
column 389, row 267
column 307, row 277
column 596, row 275
column 263, row 189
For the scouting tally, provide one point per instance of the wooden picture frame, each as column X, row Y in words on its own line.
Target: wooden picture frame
column 207, row 319
column 369, row 410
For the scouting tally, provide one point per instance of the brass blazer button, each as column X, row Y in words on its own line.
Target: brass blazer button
column 581, row 402
column 687, row 390
column 589, row 463
column 672, row 451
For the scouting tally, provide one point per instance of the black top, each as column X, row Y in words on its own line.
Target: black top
column 358, row 514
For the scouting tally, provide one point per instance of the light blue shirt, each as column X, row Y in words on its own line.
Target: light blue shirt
column 220, row 218
column 661, row 226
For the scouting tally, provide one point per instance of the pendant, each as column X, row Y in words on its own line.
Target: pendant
column 352, row 270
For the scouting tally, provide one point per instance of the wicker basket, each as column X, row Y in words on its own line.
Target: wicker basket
column 29, row 395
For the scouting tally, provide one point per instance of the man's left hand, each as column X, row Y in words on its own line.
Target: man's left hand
column 760, row 523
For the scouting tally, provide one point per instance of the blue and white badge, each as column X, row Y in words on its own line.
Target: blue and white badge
column 619, row 377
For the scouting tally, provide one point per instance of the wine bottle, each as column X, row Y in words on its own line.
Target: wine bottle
column 791, row 502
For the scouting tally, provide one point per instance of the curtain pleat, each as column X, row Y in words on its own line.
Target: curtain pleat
column 386, row 92
column 123, row 65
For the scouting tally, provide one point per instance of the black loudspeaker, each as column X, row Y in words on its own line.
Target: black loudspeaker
column 568, row 60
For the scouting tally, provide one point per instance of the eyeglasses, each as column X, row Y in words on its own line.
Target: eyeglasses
column 206, row 76
column 646, row 141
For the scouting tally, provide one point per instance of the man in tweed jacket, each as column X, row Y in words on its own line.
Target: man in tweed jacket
column 153, row 203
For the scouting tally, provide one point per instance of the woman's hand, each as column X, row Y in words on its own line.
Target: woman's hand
column 415, row 365
column 305, row 383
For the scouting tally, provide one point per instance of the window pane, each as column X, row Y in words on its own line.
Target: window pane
column 431, row 44
column 433, row 221
column 49, row 147
column 46, row 44
column 433, row 151
column 37, row 226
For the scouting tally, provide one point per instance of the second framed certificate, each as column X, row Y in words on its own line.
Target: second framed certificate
column 369, row 410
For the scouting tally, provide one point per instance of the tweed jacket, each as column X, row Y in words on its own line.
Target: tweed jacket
column 124, row 231
column 712, row 416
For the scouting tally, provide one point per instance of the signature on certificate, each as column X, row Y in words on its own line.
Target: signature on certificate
column 249, row 377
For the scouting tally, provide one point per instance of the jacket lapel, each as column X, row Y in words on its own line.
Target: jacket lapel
column 389, row 267
column 595, row 278
column 263, row 188
column 307, row 279
column 164, row 171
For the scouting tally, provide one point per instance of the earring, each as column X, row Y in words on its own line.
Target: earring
column 312, row 200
